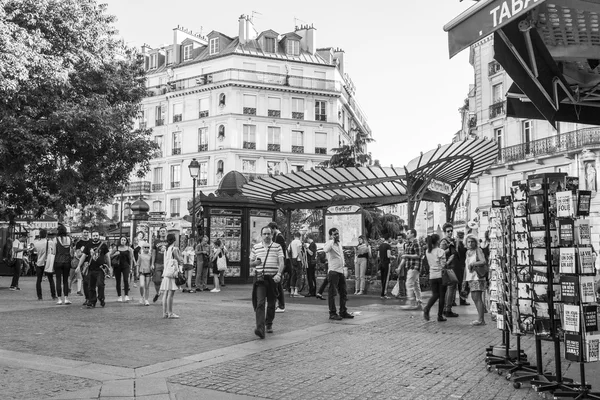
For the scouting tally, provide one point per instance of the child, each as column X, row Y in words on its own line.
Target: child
column 189, row 256
column 145, row 273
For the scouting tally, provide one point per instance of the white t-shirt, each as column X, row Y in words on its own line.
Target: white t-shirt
column 295, row 247
column 437, row 261
column 18, row 245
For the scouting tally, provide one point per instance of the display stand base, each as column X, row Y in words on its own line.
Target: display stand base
column 549, row 383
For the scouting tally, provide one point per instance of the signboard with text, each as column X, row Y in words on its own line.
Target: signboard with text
column 348, row 219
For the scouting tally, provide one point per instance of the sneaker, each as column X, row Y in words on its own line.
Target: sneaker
column 191, row 291
column 319, row 296
column 269, row 329
column 215, row 290
column 141, row 301
column 442, row 319
column 279, row 310
column 102, row 303
column 146, row 303
column 155, row 298
column 335, row 317
column 259, row 333
column 79, row 294
column 450, row 314
column 173, row 316
column 120, row 299
column 59, row 302
column 67, row 301
column 346, row 315
column 12, row 288
column 426, row 315
column 127, row 298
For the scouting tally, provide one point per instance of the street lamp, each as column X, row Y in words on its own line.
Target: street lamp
column 194, row 168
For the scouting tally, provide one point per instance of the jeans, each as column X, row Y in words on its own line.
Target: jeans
column 38, row 283
column 86, row 285
column 450, row 297
column 412, row 284
column 324, row 284
column 296, row 279
column 16, row 273
column 96, row 281
column 62, row 278
column 265, row 292
column 337, row 283
column 157, row 276
column 312, row 279
column 438, row 292
column 280, row 294
column 201, row 276
column 118, row 271
column 385, row 276
column 361, row 271
column 460, row 272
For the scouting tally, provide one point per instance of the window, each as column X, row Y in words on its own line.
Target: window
column 202, row 139
column 297, row 142
column 498, row 137
column 273, row 167
column 220, row 167
column 214, row 46
column 175, row 176
column 297, row 108
column 153, row 61
column 297, row 168
column 250, row 137
column 273, row 138
column 274, row 109
column 159, row 112
column 177, row 112
column 176, row 142
column 249, row 104
column 344, row 119
column 497, row 93
column 292, row 47
column 157, row 179
column 169, row 57
column 320, row 113
column 157, row 206
column 203, row 108
column 526, row 130
column 320, row 143
column 249, row 166
column 187, row 52
column 159, row 142
column 203, row 174
column 175, row 207
column 269, row 45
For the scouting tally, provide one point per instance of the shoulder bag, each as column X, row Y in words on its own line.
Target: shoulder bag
column 222, row 262
column 171, row 265
column 262, row 275
column 482, row 270
column 49, row 266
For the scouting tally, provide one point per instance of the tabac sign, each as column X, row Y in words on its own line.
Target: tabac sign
column 439, row 187
column 483, row 19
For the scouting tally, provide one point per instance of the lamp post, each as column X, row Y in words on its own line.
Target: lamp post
column 194, row 168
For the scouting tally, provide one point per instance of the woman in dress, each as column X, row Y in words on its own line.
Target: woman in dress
column 189, row 256
column 363, row 250
column 145, row 272
column 436, row 258
column 477, row 284
column 168, row 285
column 123, row 267
column 218, row 251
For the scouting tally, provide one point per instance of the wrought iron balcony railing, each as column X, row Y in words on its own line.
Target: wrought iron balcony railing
column 177, row 118
column 203, row 147
column 176, row 151
column 175, row 185
column 563, row 143
column 321, row 117
column 274, row 113
column 320, row 150
column 273, row 147
column 203, row 114
column 159, row 122
column 297, row 149
column 157, row 187
column 250, row 110
column 497, row 109
column 250, row 145
column 297, row 115
column 251, row 176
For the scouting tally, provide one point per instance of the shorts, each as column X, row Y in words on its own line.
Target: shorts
column 158, row 271
column 146, row 274
column 477, row 285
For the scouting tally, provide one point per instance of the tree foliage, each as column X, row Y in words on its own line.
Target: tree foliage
column 92, row 215
column 69, row 93
column 379, row 225
column 353, row 154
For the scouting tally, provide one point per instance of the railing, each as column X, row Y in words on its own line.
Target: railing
column 297, row 115
column 493, row 68
column 321, row 117
column 137, row 187
column 250, row 145
column 201, row 182
column 177, row 118
column 560, row 144
column 497, row 109
column 273, row 147
column 274, row 113
column 203, row 114
column 173, row 215
column 250, row 110
column 320, row 150
column 298, row 149
column 157, row 187
column 176, row 151
column 159, row 122
column 175, row 185
column 203, row 147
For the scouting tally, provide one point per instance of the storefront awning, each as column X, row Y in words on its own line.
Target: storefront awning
column 483, row 19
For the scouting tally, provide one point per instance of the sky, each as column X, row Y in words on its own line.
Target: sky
column 396, row 54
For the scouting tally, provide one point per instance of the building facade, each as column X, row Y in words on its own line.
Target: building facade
column 258, row 103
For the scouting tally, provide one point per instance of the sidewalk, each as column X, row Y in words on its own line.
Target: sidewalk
column 128, row 351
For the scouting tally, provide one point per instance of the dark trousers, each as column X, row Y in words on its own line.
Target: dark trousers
column 62, row 276
column 296, row 279
column 265, row 295
column 450, row 297
column 38, row 283
column 16, row 272
column 312, row 279
column 460, row 272
column 286, row 275
column 337, row 284
column 385, row 275
column 280, row 294
column 438, row 292
column 86, row 285
column 324, row 284
column 124, row 272
column 96, row 281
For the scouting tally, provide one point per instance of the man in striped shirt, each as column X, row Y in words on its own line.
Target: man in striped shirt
column 267, row 259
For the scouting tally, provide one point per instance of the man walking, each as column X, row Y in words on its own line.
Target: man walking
column 295, row 249
column 385, row 257
column 18, row 249
column 449, row 246
column 97, row 255
column 267, row 259
column 335, row 274
column 82, row 245
column 412, row 256
column 279, row 239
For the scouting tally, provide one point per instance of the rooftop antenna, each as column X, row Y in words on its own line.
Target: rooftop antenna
column 296, row 19
column 252, row 17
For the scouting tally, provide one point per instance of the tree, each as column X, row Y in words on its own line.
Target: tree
column 353, row 154
column 69, row 95
column 92, row 215
column 378, row 224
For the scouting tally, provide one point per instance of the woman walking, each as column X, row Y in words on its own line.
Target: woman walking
column 123, row 267
column 168, row 285
column 363, row 250
column 218, row 251
column 145, row 272
column 62, row 264
column 189, row 256
column 203, row 264
column 476, row 258
column 436, row 258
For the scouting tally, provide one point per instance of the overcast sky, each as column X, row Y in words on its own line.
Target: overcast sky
column 396, row 55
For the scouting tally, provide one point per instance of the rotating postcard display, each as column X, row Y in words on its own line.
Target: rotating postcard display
column 499, row 277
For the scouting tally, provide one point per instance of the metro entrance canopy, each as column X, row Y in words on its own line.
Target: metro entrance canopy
column 550, row 49
column 438, row 175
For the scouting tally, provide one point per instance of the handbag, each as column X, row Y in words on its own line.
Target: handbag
column 482, row 270
column 396, row 289
column 171, row 266
column 449, row 277
column 180, row 279
column 49, row 266
column 221, row 263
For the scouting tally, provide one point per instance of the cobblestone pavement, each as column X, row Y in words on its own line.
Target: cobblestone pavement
column 126, row 350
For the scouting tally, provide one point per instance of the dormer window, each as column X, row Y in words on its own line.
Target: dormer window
column 269, row 45
column 187, row 52
column 292, row 47
column 153, row 60
column 214, row 46
column 169, row 57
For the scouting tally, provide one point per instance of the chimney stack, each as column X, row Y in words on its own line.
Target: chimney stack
column 242, row 31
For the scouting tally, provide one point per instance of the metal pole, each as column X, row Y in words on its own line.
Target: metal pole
column 121, row 217
column 194, row 208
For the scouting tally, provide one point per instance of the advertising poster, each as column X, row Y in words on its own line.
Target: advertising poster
column 583, row 232
column 590, row 318
column 584, row 198
column 569, row 289
column 348, row 220
column 586, row 260
column 567, row 260
column 592, row 346
column 586, row 287
column 564, row 204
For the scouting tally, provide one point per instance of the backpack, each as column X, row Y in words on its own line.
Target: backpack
column 63, row 253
